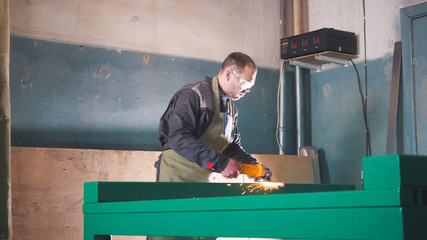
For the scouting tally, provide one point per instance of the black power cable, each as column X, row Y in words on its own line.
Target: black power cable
column 365, row 101
column 364, row 107
column 364, row 97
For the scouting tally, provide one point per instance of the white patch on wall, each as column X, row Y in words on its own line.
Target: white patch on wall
column 203, row 29
column 102, row 72
column 387, row 71
column 326, row 88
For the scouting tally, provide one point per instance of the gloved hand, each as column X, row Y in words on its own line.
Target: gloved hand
column 231, row 170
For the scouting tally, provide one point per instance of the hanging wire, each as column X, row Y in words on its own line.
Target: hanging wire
column 365, row 100
column 364, row 110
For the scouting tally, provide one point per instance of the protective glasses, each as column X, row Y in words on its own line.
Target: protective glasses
column 245, row 84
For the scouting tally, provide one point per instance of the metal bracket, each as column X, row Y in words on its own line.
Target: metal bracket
column 322, row 58
column 307, row 65
column 341, row 61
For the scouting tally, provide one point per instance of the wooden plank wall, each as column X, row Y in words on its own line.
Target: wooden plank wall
column 47, row 184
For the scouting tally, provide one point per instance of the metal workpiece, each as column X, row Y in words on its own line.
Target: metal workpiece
column 97, row 192
column 395, row 172
column 392, row 206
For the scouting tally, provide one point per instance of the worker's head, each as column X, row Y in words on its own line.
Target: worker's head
column 237, row 75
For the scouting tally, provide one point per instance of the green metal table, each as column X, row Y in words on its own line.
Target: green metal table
column 392, row 206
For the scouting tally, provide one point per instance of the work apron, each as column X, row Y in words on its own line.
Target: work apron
column 176, row 168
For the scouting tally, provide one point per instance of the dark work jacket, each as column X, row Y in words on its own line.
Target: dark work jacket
column 187, row 118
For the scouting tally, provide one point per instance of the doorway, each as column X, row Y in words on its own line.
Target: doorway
column 414, row 78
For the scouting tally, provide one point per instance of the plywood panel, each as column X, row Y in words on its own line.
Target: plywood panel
column 47, row 184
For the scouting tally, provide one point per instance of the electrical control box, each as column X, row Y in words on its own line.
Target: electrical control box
column 322, row 40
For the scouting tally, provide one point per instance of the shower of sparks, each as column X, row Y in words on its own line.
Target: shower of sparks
column 264, row 186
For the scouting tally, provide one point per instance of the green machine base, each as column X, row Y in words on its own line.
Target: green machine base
column 392, row 206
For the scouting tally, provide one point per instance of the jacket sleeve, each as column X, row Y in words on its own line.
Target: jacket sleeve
column 236, row 151
column 183, row 123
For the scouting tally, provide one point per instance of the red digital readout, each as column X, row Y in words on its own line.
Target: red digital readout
column 294, row 44
column 306, row 41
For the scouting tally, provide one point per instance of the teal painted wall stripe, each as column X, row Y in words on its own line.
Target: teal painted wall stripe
column 71, row 96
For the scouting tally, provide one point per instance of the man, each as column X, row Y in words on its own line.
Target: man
column 199, row 131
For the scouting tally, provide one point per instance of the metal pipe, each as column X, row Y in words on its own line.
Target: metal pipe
column 299, row 110
column 5, row 173
column 281, row 91
column 298, row 72
column 297, row 17
column 282, row 109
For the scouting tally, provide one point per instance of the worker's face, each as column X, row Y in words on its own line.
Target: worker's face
column 240, row 83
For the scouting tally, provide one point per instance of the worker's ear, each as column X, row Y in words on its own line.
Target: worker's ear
column 227, row 74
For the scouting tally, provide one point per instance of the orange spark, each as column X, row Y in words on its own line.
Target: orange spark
column 264, row 186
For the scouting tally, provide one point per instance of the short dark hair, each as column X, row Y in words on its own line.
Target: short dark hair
column 238, row 59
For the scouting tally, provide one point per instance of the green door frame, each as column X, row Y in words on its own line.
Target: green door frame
column 407, row 16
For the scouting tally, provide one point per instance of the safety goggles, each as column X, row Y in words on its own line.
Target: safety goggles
column 245, row 84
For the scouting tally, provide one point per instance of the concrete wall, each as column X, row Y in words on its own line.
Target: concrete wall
column 336, row 109
column 99, row 74
column 382, row 22
column 202, row 29
column 60, row 49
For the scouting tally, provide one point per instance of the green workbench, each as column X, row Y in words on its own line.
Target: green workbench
column 392, row 206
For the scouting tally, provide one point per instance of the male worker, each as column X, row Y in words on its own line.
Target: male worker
column 198, row 130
